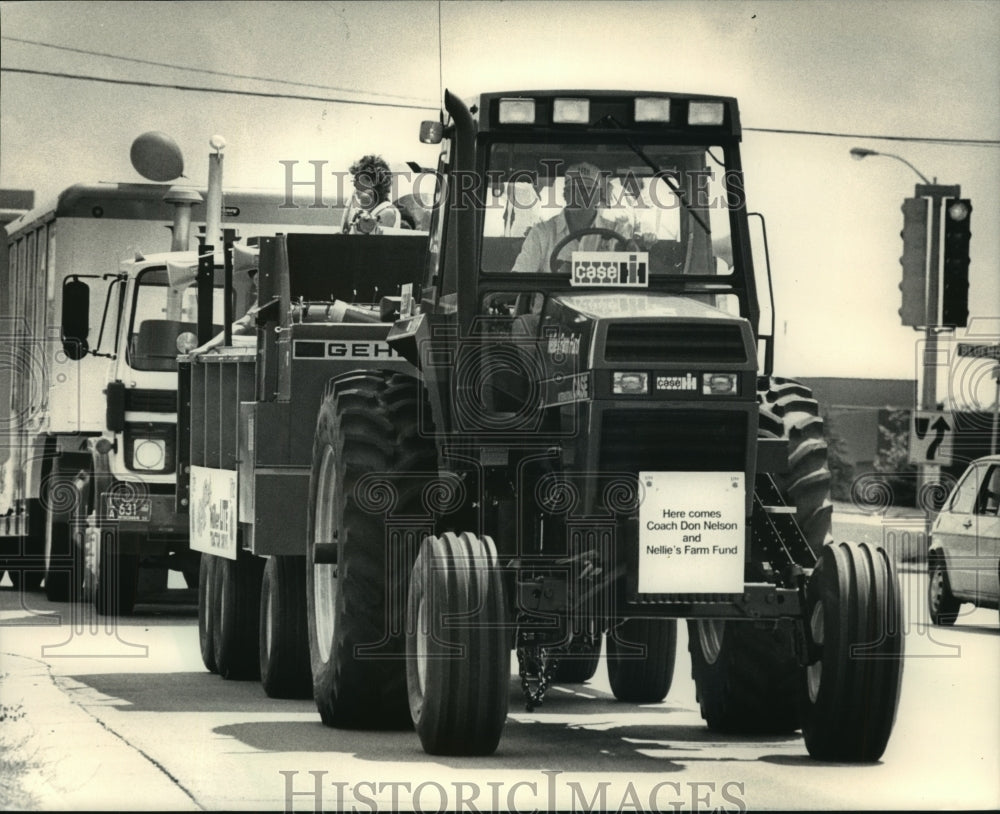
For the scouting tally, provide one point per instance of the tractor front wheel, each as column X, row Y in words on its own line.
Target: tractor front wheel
column 641, row 656
column 206, row 599
column 236, row 615
column 853, row 627
column 457, row 648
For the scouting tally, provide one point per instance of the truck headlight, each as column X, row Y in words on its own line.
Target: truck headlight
column 571, row 111
column 517, row 111
column 652, row 109
column 720, row 384
column 629, row 384
column 149, row 454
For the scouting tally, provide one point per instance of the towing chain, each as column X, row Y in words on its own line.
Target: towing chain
column 535, row 667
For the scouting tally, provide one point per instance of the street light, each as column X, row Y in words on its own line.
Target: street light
column 857, row 153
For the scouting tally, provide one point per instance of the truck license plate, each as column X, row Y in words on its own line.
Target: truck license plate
column 138, row 509
column 691, row 532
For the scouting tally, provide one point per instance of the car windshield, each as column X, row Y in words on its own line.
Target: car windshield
column 162, row 313
column 676, row 210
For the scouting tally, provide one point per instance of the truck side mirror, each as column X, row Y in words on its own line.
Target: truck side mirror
column 75, row 318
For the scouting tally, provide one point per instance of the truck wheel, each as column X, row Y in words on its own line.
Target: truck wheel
column 788, row 410
column 117, row 576
column 457, row 650
column 206, row 601
column 853, row 626
column 580, row 661
column 642, row 677
column 368, row 459
column 284, row 639
column 63, row 557
column 236, row 616
column 941, row 602
column 746, row 678
column 28, row 570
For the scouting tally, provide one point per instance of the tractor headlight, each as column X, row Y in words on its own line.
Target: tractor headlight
column 652, row 109
column 571, row 111
column 629, row 384
column 517, row 111
column 720, row 384
column 149, row 454
column 706, row 113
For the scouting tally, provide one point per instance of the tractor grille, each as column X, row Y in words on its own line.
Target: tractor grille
column 151, row 401
column 690, row 343
column 673, row 440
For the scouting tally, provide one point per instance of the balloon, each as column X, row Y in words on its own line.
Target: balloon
column 157, row 157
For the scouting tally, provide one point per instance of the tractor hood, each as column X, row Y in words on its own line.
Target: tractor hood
column 645, row 305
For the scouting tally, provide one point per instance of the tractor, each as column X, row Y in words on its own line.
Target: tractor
column 590, row 446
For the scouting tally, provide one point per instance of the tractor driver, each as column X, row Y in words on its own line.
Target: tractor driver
column 586, row 190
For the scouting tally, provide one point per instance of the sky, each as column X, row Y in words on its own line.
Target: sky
column 903, row 69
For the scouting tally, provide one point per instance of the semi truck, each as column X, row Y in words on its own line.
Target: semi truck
column 90, row 325
column 565, row 437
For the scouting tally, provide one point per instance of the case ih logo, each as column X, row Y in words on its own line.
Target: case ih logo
column 686, row 382
column 618, row 269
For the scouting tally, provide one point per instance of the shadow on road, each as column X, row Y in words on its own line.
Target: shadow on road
column 569, row 733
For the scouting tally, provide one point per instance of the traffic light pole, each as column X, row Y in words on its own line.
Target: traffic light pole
column 928, row 401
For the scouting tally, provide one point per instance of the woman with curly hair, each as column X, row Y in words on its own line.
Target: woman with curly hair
column 370, row 208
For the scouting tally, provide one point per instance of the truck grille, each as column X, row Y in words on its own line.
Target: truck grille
column 673, row 440
column 690, row 343
column 151, row 401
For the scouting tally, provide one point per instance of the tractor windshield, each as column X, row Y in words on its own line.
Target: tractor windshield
column 547, row 201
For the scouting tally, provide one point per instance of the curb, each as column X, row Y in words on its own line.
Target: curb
column 73, row 760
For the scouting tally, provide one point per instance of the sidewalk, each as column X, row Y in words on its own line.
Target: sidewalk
column 57, row 756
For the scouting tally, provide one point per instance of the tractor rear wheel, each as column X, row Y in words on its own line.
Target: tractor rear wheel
column 236, row 615
column 641, row 656
column 206, row 600
column 746, row 677
column 284, row 637
column 854, row 632
column 457, row 648
column 369, row 460
column 788, row 410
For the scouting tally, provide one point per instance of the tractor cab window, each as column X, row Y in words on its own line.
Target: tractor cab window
column 546, row 201
column 162, row 316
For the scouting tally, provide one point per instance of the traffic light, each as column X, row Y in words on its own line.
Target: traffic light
column 914, row 262
column 955, row 288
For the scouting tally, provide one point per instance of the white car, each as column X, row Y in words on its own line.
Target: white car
column 963, row 560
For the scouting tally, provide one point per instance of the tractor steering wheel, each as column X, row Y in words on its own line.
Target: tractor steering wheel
column 590, row 230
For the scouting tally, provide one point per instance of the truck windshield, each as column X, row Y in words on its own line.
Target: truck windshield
column 161, row 314
column 678, row 213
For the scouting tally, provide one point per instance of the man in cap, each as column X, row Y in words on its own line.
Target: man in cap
column 586, row 189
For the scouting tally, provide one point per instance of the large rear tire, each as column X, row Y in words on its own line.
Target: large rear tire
column 457, row 647
column 206, row 600
column 236, row 616
column 641, row 656
column 746, row 677
column 369, row 459
column 284, row 636
column 854, row 627
column 788, row 410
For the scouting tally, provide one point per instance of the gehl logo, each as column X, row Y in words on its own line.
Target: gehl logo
column 311, row 349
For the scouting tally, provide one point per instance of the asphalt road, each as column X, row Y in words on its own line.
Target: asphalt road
column 128, row 718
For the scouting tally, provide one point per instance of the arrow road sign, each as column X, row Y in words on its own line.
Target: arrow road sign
column 931, row 434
